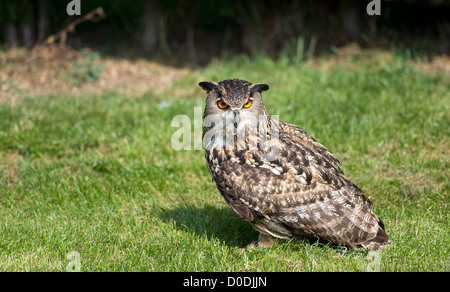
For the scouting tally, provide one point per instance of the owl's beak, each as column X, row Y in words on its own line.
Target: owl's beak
column 236, row 117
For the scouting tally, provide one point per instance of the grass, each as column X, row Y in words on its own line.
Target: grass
column 96, row 173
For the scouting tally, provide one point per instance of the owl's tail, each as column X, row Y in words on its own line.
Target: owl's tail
column 380, row 240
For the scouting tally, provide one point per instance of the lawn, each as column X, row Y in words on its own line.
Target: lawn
column 96, row 174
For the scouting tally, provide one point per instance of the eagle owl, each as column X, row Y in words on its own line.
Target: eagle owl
column 279, row 178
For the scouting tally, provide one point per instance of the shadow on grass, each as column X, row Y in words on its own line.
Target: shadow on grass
column 213, row 222
column 222, row 224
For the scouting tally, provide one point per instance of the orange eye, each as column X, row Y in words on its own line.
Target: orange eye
column 248, row 104
column 222, row 104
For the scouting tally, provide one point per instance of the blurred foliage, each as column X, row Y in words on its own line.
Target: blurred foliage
column 86, row 70
column 209, row 28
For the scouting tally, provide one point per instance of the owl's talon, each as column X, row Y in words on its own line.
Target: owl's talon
column 264, row 241
column 252, row 245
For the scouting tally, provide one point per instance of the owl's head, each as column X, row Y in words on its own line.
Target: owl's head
column 234, row 110
column 234, row 95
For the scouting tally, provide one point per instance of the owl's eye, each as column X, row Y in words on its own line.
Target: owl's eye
column 221, row 104
column 248, row 104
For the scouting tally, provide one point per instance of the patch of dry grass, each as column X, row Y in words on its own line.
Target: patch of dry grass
column 48, row 72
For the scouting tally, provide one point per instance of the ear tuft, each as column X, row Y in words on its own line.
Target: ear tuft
column 259, row 88
column 207, row 85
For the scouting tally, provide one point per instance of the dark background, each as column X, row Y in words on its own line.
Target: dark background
column 197, row 30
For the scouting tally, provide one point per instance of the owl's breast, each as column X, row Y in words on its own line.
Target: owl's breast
column 226, row 166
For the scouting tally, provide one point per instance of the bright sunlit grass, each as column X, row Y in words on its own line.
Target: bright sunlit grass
column 97, row 174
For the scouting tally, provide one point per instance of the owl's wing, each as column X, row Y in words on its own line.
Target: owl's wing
column 302, row 192
column 297, row 134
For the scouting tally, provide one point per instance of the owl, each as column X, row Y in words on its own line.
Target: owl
column 279, row 178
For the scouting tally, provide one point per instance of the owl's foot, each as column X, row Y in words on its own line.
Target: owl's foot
column 264, row 241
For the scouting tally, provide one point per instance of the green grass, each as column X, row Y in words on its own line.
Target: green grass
column 96, row 174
